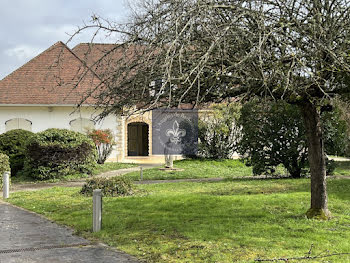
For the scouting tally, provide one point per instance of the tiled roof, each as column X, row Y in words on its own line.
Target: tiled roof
column 92, row 52
column 103, row 58
column 56, row 76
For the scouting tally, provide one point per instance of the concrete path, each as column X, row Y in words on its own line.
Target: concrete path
column 77, row 182
column 28, row 237
column 127, row 170
column 80, row 182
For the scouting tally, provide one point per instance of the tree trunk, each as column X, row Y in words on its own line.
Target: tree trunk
column 319, row 206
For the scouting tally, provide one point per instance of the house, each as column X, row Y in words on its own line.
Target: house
column 44, row 92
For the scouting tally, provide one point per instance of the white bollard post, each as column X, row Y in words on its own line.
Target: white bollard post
column 97, row 210
column 6, row 185
column 141, row 173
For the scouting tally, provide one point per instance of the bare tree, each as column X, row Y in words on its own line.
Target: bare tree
column 197, row 51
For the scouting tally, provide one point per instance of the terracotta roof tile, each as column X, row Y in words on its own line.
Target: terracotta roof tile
column 56, row 76
column 103, row 58
column 92, row 52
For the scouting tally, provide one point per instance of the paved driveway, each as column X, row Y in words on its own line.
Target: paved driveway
column 27, row 237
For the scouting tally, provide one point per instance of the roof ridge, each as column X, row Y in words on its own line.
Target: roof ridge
column 49, row 48
column 82, row 62
column 29, row 84
column 88, row 43
column 95, row 43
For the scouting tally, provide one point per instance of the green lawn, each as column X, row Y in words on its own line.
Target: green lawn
column 197, row 168
column 342, row 168
column 200, row 168
column 106, row 167
column 188, row 169
column 100, row 168
column 228, row 221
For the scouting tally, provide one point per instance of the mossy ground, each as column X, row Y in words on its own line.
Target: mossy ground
column 319, row 214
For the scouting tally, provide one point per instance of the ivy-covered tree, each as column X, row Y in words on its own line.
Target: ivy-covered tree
column 210, row 50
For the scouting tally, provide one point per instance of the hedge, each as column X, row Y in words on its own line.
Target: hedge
column 55, row 153
column 13, row 143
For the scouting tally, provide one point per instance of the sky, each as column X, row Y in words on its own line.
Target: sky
column 28, row 27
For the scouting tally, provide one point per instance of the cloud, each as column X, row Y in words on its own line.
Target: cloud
column 30, row 27
column 23, row 52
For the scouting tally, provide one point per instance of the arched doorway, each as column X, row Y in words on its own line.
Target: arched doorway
column 138, row 139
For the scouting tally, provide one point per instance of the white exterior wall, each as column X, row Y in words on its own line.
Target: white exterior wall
column 44, row 117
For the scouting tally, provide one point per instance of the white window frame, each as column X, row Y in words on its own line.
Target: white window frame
column 20, row 123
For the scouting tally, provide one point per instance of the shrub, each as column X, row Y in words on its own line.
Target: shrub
column 116, row 186
column 4, row 166
column 273, row 134
column 336, row 132
column 218, row 131
column 13, row 143
column 104, row 142
column 330, row 165
column 55, row 153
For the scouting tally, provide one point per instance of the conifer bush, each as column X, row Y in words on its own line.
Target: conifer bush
column 55, row 153
column 13, row 144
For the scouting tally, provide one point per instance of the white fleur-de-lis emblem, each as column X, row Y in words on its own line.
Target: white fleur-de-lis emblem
column 176, row 133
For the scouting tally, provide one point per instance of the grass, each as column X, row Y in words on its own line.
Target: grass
column 202, row 168
column 100, row 168
column 228, row 221
column 198, row 168
column 110, row 166
column 188, row 169
column 342, row 168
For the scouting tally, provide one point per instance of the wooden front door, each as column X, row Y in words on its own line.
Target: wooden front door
column 138, row 139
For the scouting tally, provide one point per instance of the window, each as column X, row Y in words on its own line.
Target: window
column 155, row 87
column 18, row 123
column 82, row 125
column 160, row 86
